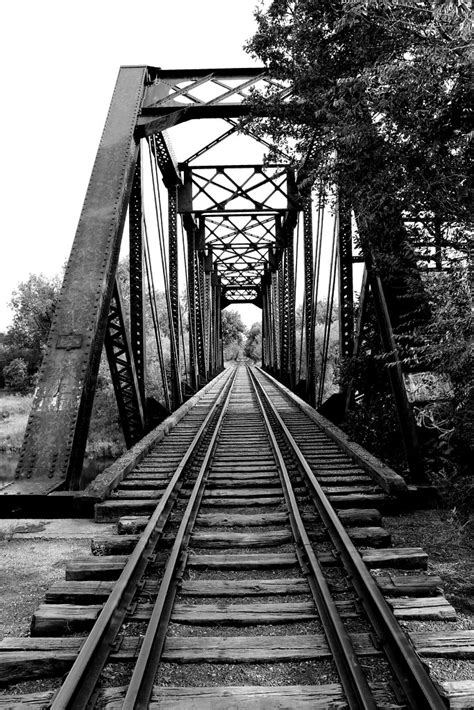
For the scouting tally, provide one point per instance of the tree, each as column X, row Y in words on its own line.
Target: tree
column 23, row 344
column 33, row 304
column 253, row 344
column 15, row 375
column 232, row 327
column 380, row 97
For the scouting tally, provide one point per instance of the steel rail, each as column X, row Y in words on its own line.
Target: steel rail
column 353, row 680
column 417, row 685
column 79, row 685
column 140, row 686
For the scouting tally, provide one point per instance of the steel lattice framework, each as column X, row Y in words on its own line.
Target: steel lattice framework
column 239, row 222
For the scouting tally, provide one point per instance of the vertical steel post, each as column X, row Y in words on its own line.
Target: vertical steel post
column 290, row 287
column 192, row 308
column 200, row 316
column 177, row 395
column 137, row 301
column 309, row 301
column 276, row 324
column 282, row 317
column 346, row 297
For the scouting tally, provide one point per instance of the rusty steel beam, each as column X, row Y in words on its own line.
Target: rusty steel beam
column 56, row 434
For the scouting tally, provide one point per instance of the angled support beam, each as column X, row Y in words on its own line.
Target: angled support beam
column 123, row 372
column 56, row 435
column 404, row 411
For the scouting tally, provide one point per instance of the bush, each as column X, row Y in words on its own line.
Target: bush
column 15, row 375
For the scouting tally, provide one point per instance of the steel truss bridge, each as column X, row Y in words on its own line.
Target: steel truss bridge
column 240, row 224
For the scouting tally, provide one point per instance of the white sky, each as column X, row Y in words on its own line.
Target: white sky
column 59, row 63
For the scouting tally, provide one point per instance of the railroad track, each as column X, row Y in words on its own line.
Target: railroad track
column 239, row 576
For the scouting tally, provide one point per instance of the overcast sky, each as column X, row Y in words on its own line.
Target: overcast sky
column 59, row 63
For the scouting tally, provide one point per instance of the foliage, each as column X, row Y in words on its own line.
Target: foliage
column 447, row 348
column 232, row 327
column 15, row 375
column 253, row 344
column 379, row 92
column 33, row 305
column 232, row 333
column 380, row 106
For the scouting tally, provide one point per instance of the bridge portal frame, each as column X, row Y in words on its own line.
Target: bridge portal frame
column 146, row 102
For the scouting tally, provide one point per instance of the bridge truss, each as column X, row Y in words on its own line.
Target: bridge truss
column 238, row 246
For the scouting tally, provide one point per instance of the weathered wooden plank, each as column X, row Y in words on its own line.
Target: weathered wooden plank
column 366, row 500
column 31, row 657
column 459, row 693
column 32, row 701
column 114, row 544
column 236, row 471
column 112, row 510
column 147, row 494
column 100, row 568
column 239, row 502
column 267, row 560
column 84, row 592
column 131, row 524
column 228, row 540
column 318, row 697
column 137, row 484
column 338, row 480
column 243, row 482
column 243, row 561
column 247, row 614
column 370, row 535
column 351, row 490
column 422, row 608
column 410, row 585
column 18, row 665
column 241, row 520
column 254, row 649
column 402, row 557
column 57, row 619
column 239, row 493
column 359, row 516
column 243, row 587
column 444, row 644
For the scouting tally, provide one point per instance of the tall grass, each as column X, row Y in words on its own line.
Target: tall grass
column 14, row 410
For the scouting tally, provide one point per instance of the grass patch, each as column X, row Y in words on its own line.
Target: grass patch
column 450, row 545
column 14, row 411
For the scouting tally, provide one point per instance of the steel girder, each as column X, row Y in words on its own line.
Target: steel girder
column 177, row 394
column 56, row 433
column 346, row 299
column 309, row 305
column 122, row 370
column 137, row 300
